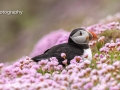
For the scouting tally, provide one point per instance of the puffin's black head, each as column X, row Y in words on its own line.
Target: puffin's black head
column 81, row 36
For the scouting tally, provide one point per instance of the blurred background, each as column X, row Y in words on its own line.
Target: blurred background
column 19, row 33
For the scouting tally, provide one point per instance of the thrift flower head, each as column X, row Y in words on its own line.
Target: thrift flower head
column 63, row 55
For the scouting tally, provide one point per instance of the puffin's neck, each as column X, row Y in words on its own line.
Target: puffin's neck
column 82, row 46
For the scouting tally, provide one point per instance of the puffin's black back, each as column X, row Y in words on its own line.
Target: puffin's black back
column 71, row 49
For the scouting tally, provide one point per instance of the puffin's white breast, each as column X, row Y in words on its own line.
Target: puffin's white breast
column 89, row 53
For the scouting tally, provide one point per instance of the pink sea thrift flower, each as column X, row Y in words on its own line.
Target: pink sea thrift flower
column 63, row 55
column 64, row 62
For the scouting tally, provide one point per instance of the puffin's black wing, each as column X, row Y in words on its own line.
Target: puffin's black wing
column 69, row 50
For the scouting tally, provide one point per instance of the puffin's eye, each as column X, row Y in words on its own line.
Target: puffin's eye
column 80, row 34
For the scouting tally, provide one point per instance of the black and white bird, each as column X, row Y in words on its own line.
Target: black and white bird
column 77, row 46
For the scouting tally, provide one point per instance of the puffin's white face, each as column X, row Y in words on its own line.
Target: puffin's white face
column 80, row 37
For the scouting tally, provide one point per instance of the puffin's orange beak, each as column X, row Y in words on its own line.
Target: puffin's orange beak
column 94, row 36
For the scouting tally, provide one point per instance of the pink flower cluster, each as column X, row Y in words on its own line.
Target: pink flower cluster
column 47, row 75
column 102, row 73
column 99, row 28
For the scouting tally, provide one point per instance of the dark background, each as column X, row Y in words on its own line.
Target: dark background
column 19, row 33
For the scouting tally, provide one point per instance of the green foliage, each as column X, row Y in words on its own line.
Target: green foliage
column 110, row 35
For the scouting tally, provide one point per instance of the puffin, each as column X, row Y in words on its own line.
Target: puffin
column 77, row 45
